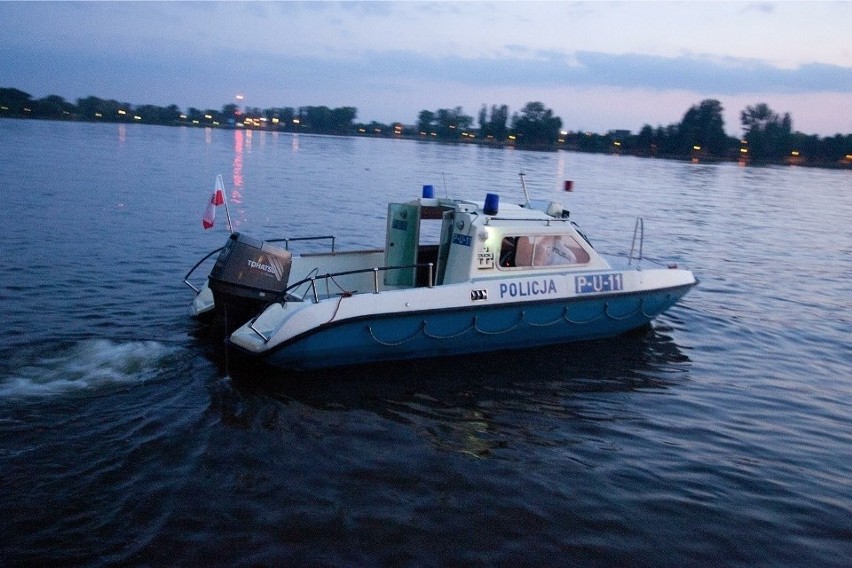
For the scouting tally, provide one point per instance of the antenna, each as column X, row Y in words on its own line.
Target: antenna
column 443, row 175
column 524, row 187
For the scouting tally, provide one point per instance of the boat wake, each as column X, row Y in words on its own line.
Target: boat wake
column 87, row 364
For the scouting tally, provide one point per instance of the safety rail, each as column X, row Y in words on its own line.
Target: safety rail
column 547, row 222
column 375, row 270
column 197, row 264
column 332, row 275
column 639, row 228
column 286, row 242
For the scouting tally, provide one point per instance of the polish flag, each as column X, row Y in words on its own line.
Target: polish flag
column 218, row 198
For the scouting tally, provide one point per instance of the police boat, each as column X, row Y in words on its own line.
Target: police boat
column 500, row 277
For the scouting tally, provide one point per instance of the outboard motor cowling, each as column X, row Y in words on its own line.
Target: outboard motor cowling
column 249, row 273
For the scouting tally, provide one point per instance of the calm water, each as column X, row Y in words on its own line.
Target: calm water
column 722, row 436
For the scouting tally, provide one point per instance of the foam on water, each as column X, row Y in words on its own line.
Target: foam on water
column 88, row 364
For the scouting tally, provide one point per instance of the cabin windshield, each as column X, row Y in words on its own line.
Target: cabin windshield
column 541, row 250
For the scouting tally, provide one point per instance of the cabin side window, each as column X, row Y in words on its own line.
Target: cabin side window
column 541, row 250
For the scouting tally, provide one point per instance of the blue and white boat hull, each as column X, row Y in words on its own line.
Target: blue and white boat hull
column 536, row 314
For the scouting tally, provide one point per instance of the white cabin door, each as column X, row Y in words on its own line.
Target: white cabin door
column 403, row 236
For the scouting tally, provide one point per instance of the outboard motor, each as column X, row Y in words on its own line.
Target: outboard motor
column 247, row 276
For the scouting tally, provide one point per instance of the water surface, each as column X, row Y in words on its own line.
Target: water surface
column 721, row 436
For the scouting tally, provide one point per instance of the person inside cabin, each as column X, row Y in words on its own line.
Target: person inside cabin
column 552, row 250
column 541, row 250
column 507, row 251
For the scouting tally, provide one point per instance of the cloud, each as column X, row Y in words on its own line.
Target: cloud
column 222, row 70
column 729, row 76
column 761, row 7
column 460, row 43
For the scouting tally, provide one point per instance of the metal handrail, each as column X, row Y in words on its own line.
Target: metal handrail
column 547, row 222
column 313, row 279
column 287, row 240
column 640, row 228
column 197, row 264
column 375, row 270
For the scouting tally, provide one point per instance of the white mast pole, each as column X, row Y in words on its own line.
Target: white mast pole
column 524, row 186
column 220, row 184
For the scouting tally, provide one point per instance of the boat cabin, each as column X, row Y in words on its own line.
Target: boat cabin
column 470, row 242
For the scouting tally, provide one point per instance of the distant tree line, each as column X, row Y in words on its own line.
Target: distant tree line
column 320, row 119
column 700, row 135
column 768, row 138
column 534, row 126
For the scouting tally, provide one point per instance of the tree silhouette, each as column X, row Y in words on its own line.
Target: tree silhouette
column 495, row 128
column 425, row 121
column 15, row 101
column 447, row 124
column 536, row 125
column 703, row 127
column 766, row 133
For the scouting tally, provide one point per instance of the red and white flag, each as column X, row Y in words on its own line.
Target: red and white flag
column 218, row 198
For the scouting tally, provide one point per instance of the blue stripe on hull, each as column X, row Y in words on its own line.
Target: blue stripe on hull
column 486, row 328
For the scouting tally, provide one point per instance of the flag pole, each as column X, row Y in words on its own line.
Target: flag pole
column 220, row 184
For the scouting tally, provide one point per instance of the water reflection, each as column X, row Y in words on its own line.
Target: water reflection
column 473, row 404
column 236, row 193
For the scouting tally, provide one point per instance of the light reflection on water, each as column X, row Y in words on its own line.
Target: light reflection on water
column 719, row 436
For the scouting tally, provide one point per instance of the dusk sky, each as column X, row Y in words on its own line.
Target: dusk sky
column 598, row 65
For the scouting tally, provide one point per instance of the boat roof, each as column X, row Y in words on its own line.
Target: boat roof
column 536, row 209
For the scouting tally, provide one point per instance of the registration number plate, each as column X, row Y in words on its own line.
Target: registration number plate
column 591, row 283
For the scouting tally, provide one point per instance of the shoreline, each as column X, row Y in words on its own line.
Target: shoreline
column 842, row 164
